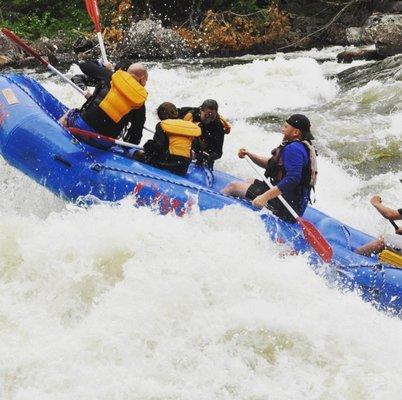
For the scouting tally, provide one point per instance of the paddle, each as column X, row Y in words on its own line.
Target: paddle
column 13, row 37
column 93, row 11
column 396, row 227
column 94, row 135
column 311, row 233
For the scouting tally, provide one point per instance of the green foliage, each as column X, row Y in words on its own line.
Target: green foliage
column 47, row 19
column 35, row 18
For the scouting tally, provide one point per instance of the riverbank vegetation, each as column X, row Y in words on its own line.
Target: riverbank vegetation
column 205, row 25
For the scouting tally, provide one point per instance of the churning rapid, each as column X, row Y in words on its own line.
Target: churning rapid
column 116, row 302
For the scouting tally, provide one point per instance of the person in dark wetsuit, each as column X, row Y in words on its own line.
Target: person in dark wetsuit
column 92, row 116
column 288, row 169
column 209, row 147
column 95, row 72
column 170, row 147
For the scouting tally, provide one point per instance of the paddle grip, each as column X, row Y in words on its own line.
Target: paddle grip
column 396, row 227
column 102, row 47
column 262, row 176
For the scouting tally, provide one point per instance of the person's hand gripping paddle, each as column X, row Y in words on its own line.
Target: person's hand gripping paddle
column 312, row 235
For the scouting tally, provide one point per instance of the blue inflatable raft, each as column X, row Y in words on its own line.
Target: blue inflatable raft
column 33, row 141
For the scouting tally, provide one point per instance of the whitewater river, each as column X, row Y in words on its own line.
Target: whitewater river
column 119, row 303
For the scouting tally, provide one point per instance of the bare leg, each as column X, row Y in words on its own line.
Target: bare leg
column 139, row 155
column 63, row 119
column 376, row 246
column 238, row 189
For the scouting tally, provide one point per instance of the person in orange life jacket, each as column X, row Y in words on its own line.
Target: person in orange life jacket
column 389, row 241
column 288, row 169
column 208, row 147
column 117, row 106
column 170, row 147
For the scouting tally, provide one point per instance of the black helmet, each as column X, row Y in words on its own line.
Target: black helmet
column 301, row 122
column 209, row 103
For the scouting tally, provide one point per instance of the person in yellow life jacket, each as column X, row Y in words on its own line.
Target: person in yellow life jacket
column 117, row 106
column 170, row 147
column 209, row 147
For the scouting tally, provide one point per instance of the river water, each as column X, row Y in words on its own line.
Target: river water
column 117, row 302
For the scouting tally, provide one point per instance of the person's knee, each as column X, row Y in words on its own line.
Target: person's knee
column 139, row 155
column 228, row 189
column 233, row 189
column 63, row 119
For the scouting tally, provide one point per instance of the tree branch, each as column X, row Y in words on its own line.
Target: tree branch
column 334, row 19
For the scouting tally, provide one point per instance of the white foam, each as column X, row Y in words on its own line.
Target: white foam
column 100, row 303
column 246, row 90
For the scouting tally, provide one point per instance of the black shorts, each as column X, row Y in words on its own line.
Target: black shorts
column 275, row 205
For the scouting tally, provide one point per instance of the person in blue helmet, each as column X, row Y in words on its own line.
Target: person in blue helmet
column 291, row 169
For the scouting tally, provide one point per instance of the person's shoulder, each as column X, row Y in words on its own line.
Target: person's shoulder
column 295, row 149
column 295, row 146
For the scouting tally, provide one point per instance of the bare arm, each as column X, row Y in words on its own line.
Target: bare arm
column 261, row 161
column 261, row 200
column 385, row 211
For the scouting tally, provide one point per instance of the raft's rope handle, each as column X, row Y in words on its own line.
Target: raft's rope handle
column 346, row 232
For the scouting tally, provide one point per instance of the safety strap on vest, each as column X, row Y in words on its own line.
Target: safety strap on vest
column 125, row 94
column 313, row 162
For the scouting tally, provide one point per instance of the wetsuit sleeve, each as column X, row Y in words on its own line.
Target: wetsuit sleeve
column 94, row 71
column 215, row 143
column 80, row 81
column 156, row 148
column 294, row 158
column 183, row 111
column 136, row 118
column 161, row 138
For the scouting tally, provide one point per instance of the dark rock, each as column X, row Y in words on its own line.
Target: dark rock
column 383, row 28
column 8, row 50
column 83, row 44
column 336, row 34
column 394, row 7
column 387, row 50
column 348, row 56
column 379, row 28
column 51, row 48
column 354, row 35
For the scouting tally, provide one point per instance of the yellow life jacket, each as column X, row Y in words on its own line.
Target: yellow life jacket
column 226, row 126
column 391, row 258
column 125, row 94
column 188, row 117
column 181, row 134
